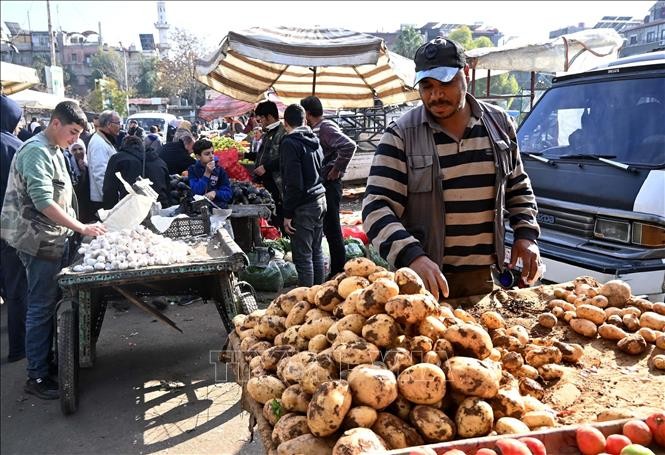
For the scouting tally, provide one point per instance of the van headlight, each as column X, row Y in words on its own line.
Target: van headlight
column 618, row 231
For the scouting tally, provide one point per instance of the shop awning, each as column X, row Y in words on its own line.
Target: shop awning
column 31, row 99
column 15, row 78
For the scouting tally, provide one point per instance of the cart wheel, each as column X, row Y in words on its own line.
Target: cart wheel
column 68, row 361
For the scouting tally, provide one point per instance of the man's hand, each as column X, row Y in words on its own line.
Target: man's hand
column 333, row 174
column 530, row 254
column 209, row 168
column 260, row 170
column 288, row 227
column 431, row 275
column 211, row 195
column 93, row 230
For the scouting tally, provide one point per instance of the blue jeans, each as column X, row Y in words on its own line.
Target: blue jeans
column 306, row 242
column 43, row 294
column 15, row 295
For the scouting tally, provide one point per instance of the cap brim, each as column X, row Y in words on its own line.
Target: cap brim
column 442, row 74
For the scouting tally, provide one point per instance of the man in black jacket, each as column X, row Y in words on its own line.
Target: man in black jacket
column 304, row 195
column 178, row 154
column 132, row 161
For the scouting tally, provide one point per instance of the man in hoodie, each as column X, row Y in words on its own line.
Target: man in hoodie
column 304, row 195
column 12, row 272
column 134, row 161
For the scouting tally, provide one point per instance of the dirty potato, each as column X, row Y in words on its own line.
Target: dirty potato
column 432, row 423
column 360, row 416
column 469, row 340
column 328, row 407
column 422, row 383
column 396, row 432
column 358, row 441
column 408, row 281
column 373, row 386
column 474, row 418
column 362, row 267
column 472, row 377
column 289, row 426
column 264, row 388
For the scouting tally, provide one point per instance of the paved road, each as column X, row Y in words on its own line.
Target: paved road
column 153, row 390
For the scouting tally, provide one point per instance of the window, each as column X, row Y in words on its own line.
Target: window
column 662, row 35
column 662, row 13
column 633, row 39
column 74, row 58
column 651, row 37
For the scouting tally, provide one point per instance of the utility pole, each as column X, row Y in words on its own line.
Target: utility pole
column 50, row 34
column 124, row 57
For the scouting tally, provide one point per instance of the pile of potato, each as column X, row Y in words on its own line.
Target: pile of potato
column 611, row 312
column 371, row 361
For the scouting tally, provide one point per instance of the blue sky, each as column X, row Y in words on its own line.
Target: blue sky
column 124, row 20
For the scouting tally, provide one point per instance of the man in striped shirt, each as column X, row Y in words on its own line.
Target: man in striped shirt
column 441, row 179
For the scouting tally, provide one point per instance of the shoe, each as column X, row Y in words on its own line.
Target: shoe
column 44, row 388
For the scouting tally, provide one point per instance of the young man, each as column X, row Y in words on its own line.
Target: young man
column 435, row 198
column 37, row 219
column 338, row 149
column 304, row 195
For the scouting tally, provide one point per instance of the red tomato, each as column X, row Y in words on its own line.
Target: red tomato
column 512, row 447
column 454, row 452
column 638, row 432
column 656, row 423
column 590, row 440
column 535, row 445
column 615, row 443
column 485, row 451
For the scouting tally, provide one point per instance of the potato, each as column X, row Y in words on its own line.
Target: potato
column 432, row 423
column 328, row 407
column 314, row 327
column 358, row 441
column 318, row 343
column 615, row 319
column 408, row 281
column 422, row 384
column 372, row 386
column 275, row 310
column 551, row 372
column 264, row 388
column 269, row 326
column 652, row 320
column 659, row 307
column 315, row 373
column 327, row 297
column 507, row 403
column 395, row 432
column 271, row 356
column 534, row 404
column 352, row 322
column 510, row 425
column 289, row 426
column 469, row 340
column 660, row 341
column 472, row 377
column 346, row 336
column 474, row 418
column 306, row 444
column 255, row 362
column 419, row 345
column 631, row 310
column 632, row 344
column 649, row 335
column 611, row 332
column 432, row 357
column 297, row 314
column 527, row 371
column 591, row 313
column 570, row 352
column 529, row 386
column 492, row 320
column 495, row 355
column 381, row 330
column 362, row 267
column 350, row 284
column 258, row 348
column 290, row 336
column 658, row 361
column 512, row 361
column 360, row 416
column 540, row 355
column 569, row 316
column 617, row 292
column 509, row 343
column 584, row 327
column 295, row 366
column 557, row 312
column 613, row 311
column 411, row 309
column 295, row 399
column 355, row 353
column 599, row 301
column 519, row 332
column 631, row 322
column 464, row 316
column 535, row 419
column 398, row 359
column 432, row 327
column 273, row 410
column 401, row 407
column 547, row 320
column 247, row 343
column 373, row 298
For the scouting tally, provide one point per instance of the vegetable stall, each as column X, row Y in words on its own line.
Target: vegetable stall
column 369, row 361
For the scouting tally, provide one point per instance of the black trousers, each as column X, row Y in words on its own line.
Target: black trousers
column 15, row 293
column 332, row 228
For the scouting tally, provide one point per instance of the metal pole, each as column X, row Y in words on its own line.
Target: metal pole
column 488, row 83
column 50, row 34
column 124, row 57
column 533, row 89
column 314, row 82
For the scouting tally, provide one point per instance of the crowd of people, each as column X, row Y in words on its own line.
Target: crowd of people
column 441, row 180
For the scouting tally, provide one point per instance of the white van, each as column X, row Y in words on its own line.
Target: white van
column 148, row 119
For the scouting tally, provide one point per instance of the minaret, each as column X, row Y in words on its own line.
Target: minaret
column 163, row 28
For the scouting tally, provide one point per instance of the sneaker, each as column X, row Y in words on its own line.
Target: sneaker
column 44, row 388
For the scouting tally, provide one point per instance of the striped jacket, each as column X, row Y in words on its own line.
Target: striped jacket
column 404, row 206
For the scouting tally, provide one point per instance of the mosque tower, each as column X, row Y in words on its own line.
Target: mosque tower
column 163, row 28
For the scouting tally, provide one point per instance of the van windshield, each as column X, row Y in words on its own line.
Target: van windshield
column 623, row 119
column 146, row 123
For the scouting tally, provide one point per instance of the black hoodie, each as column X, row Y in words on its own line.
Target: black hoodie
column 301, row 159
column 10, row 114
column 129, row 161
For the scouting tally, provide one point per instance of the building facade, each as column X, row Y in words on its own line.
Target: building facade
column 648, row 36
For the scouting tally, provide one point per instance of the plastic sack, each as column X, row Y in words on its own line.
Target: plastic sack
column 289, row 272
column 268, row 279
column 353, row 248
column 355, row 232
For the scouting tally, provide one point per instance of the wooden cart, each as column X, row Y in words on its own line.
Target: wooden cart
column 85, row 295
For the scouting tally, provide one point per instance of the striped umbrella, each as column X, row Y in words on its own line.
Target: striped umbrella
column 344, row 69
column 224, row 105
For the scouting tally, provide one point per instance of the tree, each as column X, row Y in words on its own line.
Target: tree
column 148, row 79
column 177, row 71
column 39, row 62
column 107, row 95
column 110, row 64
column 408, row 41
column 462, row 35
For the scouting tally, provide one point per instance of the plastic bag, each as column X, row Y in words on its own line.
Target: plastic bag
column 355, row 232
column 353, row 248
column 289, row 272
column 267, row 279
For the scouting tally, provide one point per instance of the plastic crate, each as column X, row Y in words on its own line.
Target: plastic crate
column 187, row 227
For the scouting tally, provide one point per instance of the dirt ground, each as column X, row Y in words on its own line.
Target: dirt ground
column 605, row 383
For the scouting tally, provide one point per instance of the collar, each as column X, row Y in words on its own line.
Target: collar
column 272, row 126
column 426, row 117
column 43, row 140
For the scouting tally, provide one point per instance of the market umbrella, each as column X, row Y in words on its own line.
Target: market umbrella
column 224, row 105
column 344, row 69
column 15, row 78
